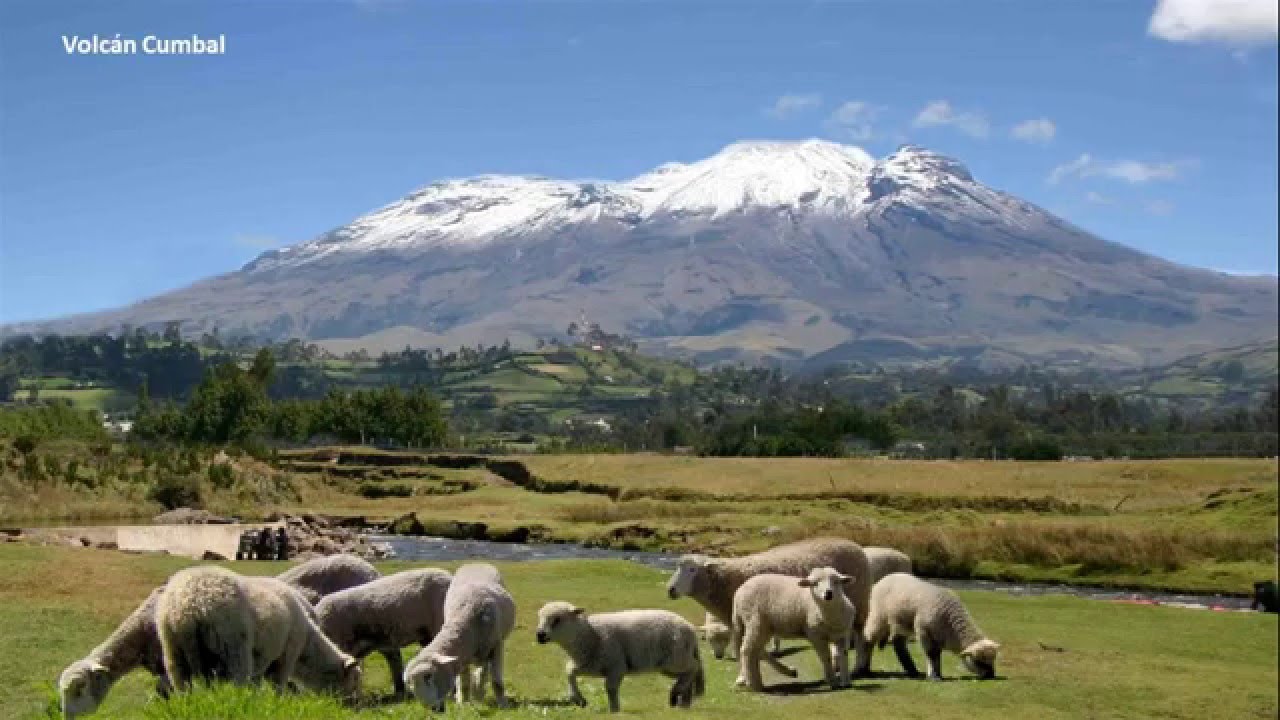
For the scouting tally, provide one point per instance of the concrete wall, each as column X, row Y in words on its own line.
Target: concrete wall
column 189, row 540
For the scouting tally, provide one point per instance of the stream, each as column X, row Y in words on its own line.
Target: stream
column 434, row 549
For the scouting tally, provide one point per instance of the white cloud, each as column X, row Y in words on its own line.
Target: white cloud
column 855, row 119
column 1232, row 22
column 792, row 104
column 1160, row 207
column 255, row 241
column 1039, row 130
column 940, row 112
column 1097, row 198
column 1133, row 172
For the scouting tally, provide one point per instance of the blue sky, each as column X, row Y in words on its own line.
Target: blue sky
column 123, row 176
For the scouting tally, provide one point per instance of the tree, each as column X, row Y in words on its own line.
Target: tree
column 263, row 368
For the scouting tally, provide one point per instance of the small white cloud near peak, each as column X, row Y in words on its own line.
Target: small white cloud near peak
column 794, row 103
column 940, row 112
column 855, row 119
column 1037, row 130
column 1229, row 22
column 1134, row 172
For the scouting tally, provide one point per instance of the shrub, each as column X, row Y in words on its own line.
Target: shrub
column 175, row 491
column 221, row 475
column 26, row 444
column 374, row 491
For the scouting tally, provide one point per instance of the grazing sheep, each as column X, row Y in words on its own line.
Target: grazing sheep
column 903, row 606
column 884, row 561
column 479, row 614
column 814, row 607
column 717, row 635
column 135, row 643
column 385, row 615
column 713, row 581
column 217, row 625
column 611, row 645
column 328, row 574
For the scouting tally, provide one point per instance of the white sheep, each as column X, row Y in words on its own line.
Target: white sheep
column 612, row 645
column 885, row 560
column 328, row 574
column 717, row 635
column 135, row 643
column 479, row 614
column 904, row 606
column 217, row 625
column 713, row 581
column 814, row 607
column 385, row 615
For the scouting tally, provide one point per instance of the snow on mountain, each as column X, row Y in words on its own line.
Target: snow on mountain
column 816, row 175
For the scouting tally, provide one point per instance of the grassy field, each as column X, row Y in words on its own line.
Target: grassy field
column 1194, row 525
column 1062, row 657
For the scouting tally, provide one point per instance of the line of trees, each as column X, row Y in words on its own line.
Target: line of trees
column 231, row 406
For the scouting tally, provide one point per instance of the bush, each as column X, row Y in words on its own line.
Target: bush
column 221, row 475
column 26, row 444
column 374, row 491
column 1041, row 449
column 175, row 491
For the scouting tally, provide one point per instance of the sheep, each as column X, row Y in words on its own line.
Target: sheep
column 328, row 574
column 713, row 581
column 886, row 560
column 479, row 614
column 903, row 606
column 611, row 645
column 216, row 625
column 385, row 615
column 135, row 643
column 814, row 607
column 717, row 635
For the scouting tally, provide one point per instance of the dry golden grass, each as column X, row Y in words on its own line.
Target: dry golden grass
column 1143, row 485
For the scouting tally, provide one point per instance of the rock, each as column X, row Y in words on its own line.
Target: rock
column 189, row 516
column 407, row 525
column 212, row 556
column 771, row 531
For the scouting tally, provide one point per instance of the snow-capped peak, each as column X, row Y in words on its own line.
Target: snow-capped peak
column 806, row 176
column 759, row 174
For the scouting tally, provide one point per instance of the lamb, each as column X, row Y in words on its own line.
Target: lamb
column 611, row 645
column 479, row 614
column 385, row 615
column 135, row 643
column 903, row 606
column 814, row 607
column 717, row 635
column 712, row 582
column 216, row 625
column 886, row 560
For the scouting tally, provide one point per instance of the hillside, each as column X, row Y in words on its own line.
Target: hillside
column 789, row 251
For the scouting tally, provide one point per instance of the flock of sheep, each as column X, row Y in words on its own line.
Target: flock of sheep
column 313, row 624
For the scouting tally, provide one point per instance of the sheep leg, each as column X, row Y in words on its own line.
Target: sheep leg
column 395, row 664
column 777, row 665
column 464, row 684
column 749, row 662
column 842, row 661
column 823, row 650
column 862, row 655
column 575, row 695
column 904, row 656
column 495, row 677
column 612, row 683
column 932, row 656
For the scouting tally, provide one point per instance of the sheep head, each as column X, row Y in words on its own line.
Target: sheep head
column 557, row 620
column 980, row 658
column 433, row 678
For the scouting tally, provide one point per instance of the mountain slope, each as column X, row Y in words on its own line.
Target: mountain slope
column 787, row 250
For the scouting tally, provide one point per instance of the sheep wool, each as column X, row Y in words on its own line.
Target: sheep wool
column 613, row 645
column 814, row 607
column 479, row 614
column 385, row 615
column 84, row 684
column 885, row 561
column 329, row 574
column 712, row 582
column 904, row 606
